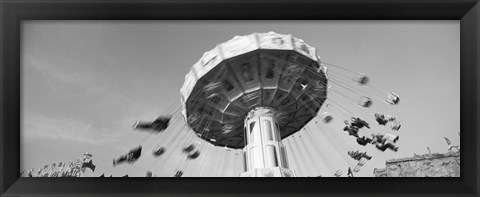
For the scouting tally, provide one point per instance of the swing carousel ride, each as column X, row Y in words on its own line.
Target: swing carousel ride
column 255, row 96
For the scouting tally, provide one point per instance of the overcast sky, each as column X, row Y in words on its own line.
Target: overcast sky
column 84, row 84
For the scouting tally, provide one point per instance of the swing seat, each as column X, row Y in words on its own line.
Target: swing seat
column 194, row 155
column 366, row 102
column 189, row 148
column 363, row 80
column 178, row 173
column 159, row 151
column 327, row 119
column 393, row 99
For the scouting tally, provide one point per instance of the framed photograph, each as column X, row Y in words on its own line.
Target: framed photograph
column 244, row 98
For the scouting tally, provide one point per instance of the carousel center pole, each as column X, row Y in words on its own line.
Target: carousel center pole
column 264, row 154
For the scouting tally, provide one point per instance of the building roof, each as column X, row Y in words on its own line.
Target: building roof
column 423, row 157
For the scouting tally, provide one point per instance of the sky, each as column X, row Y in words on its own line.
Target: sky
column 84, row 84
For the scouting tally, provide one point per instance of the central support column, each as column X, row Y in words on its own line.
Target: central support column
column 264, row 154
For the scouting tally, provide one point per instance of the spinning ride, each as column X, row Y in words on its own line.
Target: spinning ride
column 251, row 92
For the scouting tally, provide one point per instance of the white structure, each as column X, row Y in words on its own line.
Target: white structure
column 264, row 154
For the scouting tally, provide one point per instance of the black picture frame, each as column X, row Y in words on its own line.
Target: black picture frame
column 14, row 11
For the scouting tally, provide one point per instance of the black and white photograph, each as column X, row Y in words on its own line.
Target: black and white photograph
column 208, row 98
